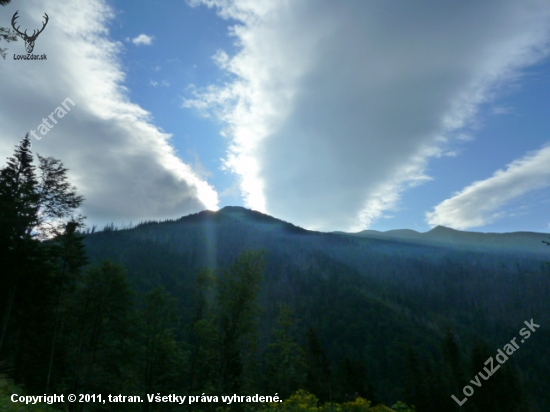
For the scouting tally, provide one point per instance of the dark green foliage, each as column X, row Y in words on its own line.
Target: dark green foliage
column 352, row 381
column 19, row 205
column 35, row 275
column 162, row 355
column 203, row 335
column 285, row 359
column 415, row 382
column 367, row 300
column 502, row 390
column 238, row 311
column 102, row 315
column 69, row 258
column 191, row 307
column 454, row 369
column 318, row 378
column 19, row 198
column 224, row 326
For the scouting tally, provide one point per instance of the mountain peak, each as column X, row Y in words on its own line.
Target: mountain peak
column 247, row 216
column 232, row 209
column 243, row 213
column 442, row 229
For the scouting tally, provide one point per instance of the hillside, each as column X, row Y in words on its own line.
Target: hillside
column 375, row 299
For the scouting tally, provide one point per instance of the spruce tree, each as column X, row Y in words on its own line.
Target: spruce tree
column 452, row 371
column 318, row 376
column 35, row 206
column 68, row 257
column 204, row 335
column 238, row 310
column 19, row 204
column 162, row 357
column 102, row 332
column 285, row 358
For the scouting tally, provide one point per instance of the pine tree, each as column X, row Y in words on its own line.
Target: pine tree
column 19, row 205
column 452, row 371
column 285, row 358
column 483, row 398
column 19, row 199
column 318, row 377
column 103, row 332
column 68, row 254
column 352, row 381
column 417, row 382
column 204, row 335
column 502, row 390
column 238, row 310
column 162, row 356
column 34, row 273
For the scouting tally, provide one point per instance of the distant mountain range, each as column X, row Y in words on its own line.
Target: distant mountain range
column 515, row 241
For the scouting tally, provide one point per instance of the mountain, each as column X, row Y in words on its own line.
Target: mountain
column 376, row 300
column 524, row 242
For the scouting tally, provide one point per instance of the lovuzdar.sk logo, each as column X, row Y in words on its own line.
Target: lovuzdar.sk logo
column 29, row 40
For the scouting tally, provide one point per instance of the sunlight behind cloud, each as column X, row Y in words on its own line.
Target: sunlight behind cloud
column 122, row 163
column 333, row 109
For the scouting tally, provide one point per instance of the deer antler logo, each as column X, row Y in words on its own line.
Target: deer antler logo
column 29, row 40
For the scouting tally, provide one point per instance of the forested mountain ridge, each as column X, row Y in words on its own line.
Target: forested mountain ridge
column 527, row 242
column 380, row 303
column 236, row 302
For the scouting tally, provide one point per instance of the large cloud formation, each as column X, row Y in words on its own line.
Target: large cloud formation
column 480, row 203
column 334, row 108
column 122, row 163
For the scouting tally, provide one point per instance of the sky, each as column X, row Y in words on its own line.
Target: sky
column 343, row 115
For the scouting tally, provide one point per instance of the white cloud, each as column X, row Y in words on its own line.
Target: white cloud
column 155, row 83
column 120, row 161
column 143, row 39
column 480, row 203
column 334, row 108
column 502, row 110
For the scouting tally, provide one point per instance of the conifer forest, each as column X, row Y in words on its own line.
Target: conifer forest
column 237, row 303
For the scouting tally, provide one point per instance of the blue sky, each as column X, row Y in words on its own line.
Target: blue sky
column 331, row 115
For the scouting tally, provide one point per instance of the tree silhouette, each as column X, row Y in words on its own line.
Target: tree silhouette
column 18, row 215
column 35, row 205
